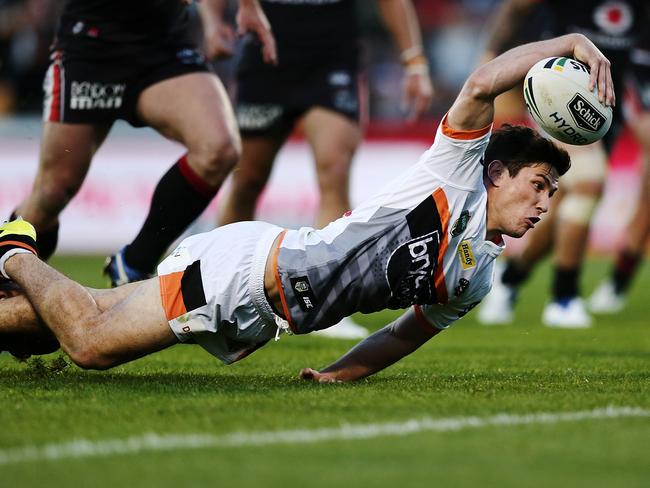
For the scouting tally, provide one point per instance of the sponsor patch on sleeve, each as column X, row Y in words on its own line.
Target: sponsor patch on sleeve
column 466, row 255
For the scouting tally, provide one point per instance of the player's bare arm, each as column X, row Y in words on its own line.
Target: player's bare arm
column 504, row 26
column 474, row 107
column 218, row 36
column 378, row 351
column 400, row 19
column 251, row 18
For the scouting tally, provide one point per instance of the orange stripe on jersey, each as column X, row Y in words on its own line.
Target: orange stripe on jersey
column 171, row 295
column 424, row 323
column 19, row 244
column 278, row 283
column 439, row 275
column 464, row 135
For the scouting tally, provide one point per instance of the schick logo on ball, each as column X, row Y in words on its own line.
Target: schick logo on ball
column 584, row 114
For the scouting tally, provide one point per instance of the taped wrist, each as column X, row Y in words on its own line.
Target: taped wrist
column 16, row 237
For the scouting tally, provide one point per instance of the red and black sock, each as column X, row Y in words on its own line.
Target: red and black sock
column 179, row 198
column 625, row 268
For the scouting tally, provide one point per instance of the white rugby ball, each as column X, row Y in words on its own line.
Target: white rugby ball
column 556, row 92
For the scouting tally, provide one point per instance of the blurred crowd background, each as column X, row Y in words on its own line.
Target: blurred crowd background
column 452, row 32
column 117, row 192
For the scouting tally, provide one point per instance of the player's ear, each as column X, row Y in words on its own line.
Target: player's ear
column 495, row 171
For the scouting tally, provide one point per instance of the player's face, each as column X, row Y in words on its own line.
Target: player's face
column 522, row 199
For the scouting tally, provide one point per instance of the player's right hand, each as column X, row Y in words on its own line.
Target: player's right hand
column 599, row 68
column 218, row 40
column 251, row 18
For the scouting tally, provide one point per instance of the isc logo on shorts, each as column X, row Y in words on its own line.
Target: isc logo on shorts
column 87, row 95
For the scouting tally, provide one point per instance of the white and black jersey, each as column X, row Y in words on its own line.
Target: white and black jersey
column 420, row 242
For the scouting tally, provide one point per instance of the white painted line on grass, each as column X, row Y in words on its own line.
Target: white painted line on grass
column 83, row 448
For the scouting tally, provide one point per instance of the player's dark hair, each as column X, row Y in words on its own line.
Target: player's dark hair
column 517, row 146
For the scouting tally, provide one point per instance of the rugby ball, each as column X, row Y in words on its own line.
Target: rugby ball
column 556, row 92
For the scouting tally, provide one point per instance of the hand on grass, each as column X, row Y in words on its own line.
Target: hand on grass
column 309, row 374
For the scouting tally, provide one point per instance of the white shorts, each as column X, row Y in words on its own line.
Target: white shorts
column 212, row 289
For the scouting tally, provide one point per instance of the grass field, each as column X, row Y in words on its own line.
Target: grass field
column 255, row 424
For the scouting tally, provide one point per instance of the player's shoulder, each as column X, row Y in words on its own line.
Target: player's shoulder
column 454, row 130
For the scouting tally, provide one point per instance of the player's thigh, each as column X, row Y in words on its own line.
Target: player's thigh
column 588, row 169
column 191, row 109
column 135, row 326
column 333, row 137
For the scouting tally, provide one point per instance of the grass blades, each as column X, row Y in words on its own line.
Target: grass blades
column 468, row 371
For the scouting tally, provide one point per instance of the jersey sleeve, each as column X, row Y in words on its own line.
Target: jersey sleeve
column 441, row 316
column 456, row 156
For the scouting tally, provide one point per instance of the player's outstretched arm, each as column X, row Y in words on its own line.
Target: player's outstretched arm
column 376, row 352
column 474, row 107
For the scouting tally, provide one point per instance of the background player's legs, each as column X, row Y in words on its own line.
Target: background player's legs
column 572, row 232
column 66, row 153
column 194, row 110
column 609, row 297
column 583, row 187
column 133, row 327
column 250, row 176
column 334, row 138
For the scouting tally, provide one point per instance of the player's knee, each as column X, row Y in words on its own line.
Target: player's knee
column 247, row 185
column 578, row 208
column 213, row 160
column 90, row 357
column 334, row 173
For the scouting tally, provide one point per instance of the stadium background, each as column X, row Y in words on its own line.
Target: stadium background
column 115, row 197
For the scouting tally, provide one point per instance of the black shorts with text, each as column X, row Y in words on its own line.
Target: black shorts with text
column 90, row 91
column 270, row 99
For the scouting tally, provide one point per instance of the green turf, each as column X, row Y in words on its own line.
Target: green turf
column 470, row 370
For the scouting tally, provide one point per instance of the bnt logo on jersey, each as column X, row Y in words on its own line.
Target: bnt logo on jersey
column 410, row 271
column 585, row 114
column 89, row 95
